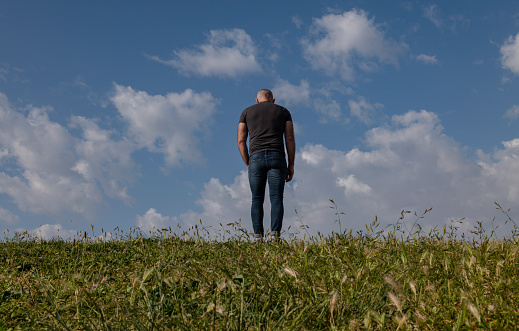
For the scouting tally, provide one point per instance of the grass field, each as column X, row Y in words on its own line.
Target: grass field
column 368, row 280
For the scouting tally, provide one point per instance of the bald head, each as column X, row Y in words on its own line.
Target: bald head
column 265, row 95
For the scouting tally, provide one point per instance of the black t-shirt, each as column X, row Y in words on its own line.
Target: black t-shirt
column 266, row 124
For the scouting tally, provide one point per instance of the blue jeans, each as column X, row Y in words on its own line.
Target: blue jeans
column 268, row 166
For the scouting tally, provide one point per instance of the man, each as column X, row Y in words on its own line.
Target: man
column 266, row 123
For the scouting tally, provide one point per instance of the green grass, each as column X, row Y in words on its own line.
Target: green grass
column 368, row 280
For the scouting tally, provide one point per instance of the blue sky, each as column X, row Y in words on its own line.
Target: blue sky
column 124, row 113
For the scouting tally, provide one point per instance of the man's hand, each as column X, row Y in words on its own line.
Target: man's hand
column 290, row 173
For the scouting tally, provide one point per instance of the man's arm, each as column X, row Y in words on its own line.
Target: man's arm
column 242, row 142
column 291, row 148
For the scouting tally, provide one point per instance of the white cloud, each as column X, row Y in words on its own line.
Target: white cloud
column 152, row 221
column 339, row 43
column 364, row 111
column 44, row 152
column 276, row 44
column 353, row 186
column 3, row 153
column 53, row 231
column 7, row 216
column 298, row 22
column 410, row 164
column 288, row 94
column 453, row 22
column 512, row 144
column 167, row 124
column 52, row 193
column 35, row 141
column 227, row 53
column 329, row 110
column 57, row 172
column 99, row 158
column 504, row 173
column 321, row 101
column 427, row 59
column 222, row 204
column 432, row 14
column 513, row 112
column 510, row 54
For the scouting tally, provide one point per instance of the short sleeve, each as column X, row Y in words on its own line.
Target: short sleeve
column 242, row 117
column 288, row 117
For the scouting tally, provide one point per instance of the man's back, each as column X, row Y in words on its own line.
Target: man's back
column 266, row 123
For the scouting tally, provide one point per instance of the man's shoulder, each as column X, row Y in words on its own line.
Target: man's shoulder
column 283, row 109
column 248, row 108
column 264, row 106
column 271, row 105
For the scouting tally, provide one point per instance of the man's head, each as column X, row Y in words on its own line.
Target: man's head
column 265, row 95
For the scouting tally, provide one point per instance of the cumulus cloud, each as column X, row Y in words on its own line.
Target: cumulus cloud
column 427, row 59
column 288, row 94
column 329, row 110
column 339, row 44
column 53, row 231
column 7, row 216
column 321, row 101
column 167, row 124
column 504, row 171
column 55, row 169
column 45, row 182
column 510, row 54
column 222, row 204
column 227, row 53
column 152, row 221
column 408, row 164
column 352, row 186
column 100, row 158
column 363, row 110
column 513, row 112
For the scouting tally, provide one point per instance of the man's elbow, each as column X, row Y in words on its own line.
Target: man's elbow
column 290, row 141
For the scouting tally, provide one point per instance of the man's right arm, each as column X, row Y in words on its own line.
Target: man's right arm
column 291, row 148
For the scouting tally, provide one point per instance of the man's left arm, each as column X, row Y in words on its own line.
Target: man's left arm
column 242, row 142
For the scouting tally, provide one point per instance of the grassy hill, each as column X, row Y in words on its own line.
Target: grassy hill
column 372, row 280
